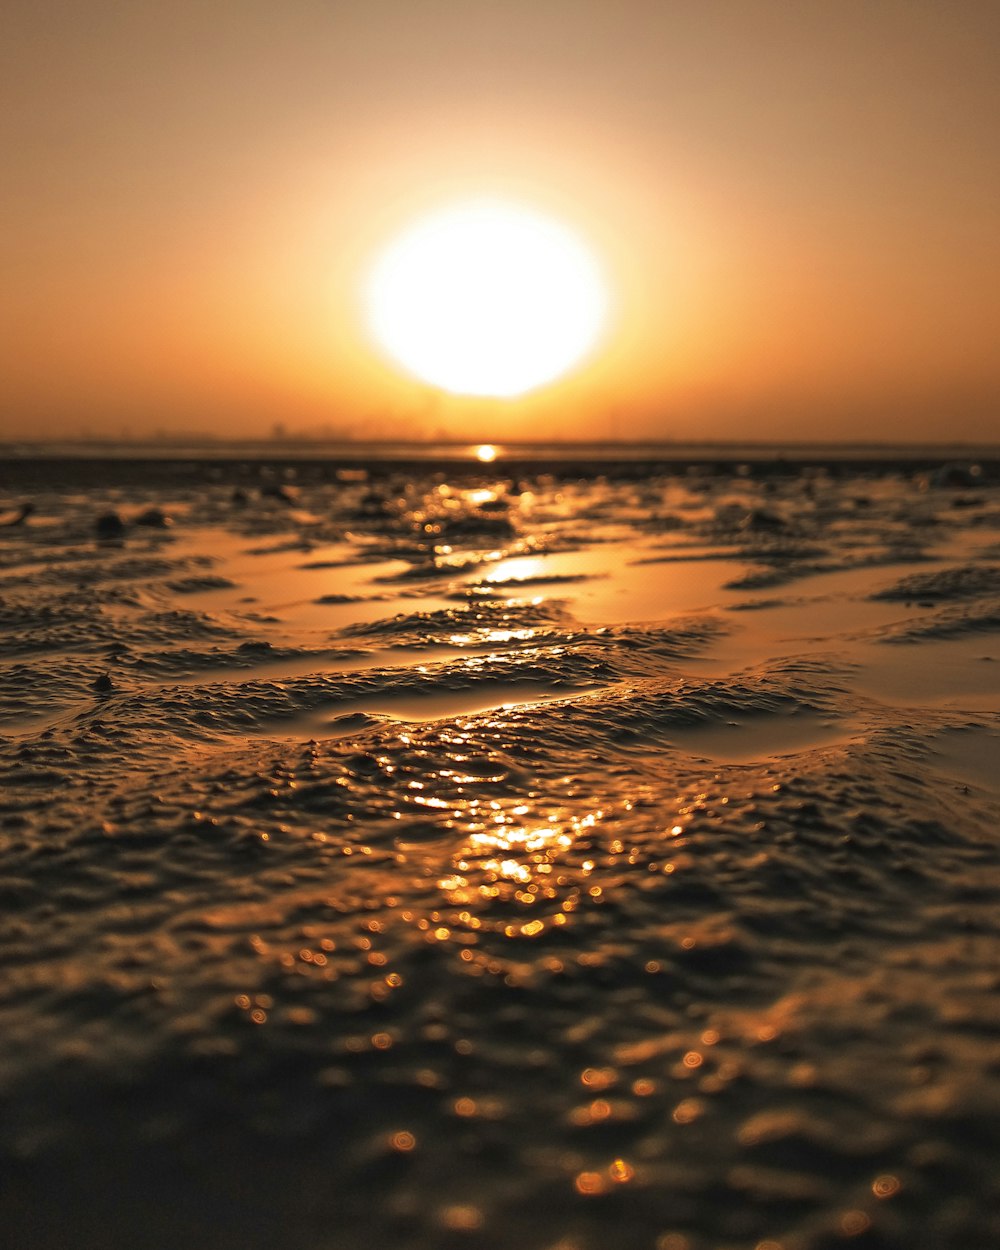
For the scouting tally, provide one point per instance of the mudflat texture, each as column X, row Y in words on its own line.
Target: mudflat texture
column 543, row 860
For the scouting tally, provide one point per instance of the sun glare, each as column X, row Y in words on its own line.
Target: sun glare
column 487, row 298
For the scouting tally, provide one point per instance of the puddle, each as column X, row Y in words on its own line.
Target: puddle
column 775, row 626
column 281, row 668
column 325, row 587
column 436, row 704
column 614, row 587
column 756, row 738
column 959, row 673
column 971, row 756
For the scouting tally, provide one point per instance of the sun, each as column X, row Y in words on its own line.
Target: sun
column 487, row 298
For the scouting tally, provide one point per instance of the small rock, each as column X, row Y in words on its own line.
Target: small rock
column 103, row 684
column 17, row 515
column 110, row 525
column 281, row 492
column 155, row 518
column 957, row 476
column 760, row 520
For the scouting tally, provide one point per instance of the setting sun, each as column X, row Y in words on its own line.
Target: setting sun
column 487, row 298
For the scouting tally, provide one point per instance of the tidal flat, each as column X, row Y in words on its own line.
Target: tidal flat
column 514, row 856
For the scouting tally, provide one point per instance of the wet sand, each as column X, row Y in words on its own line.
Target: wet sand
column 508, row 855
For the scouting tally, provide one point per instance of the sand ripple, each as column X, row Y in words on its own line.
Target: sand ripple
column 487, row 919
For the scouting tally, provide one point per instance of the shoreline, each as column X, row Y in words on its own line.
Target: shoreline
column 25, row 468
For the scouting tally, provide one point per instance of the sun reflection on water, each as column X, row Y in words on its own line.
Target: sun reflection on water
column 514, row 863
column 519, row 569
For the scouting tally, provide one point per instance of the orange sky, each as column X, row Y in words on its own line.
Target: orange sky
column 799, row 204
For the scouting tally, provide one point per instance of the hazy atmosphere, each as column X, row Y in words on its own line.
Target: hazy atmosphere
column 500, row 625
column 795, row 207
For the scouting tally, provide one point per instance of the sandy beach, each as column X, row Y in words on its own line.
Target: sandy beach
column 439, row 854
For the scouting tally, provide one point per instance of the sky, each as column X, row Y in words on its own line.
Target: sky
column 796, row 204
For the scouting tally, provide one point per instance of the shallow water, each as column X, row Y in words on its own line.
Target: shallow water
column 560, row 863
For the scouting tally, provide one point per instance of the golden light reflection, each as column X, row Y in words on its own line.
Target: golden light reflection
column 462, row 1219
column 590, row 1183
column 519, row 569
column 621, row 1172
column 524, row 840
column 688, row 1111
column 854, row 1223
column 505, row 859
column 598, row 1078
